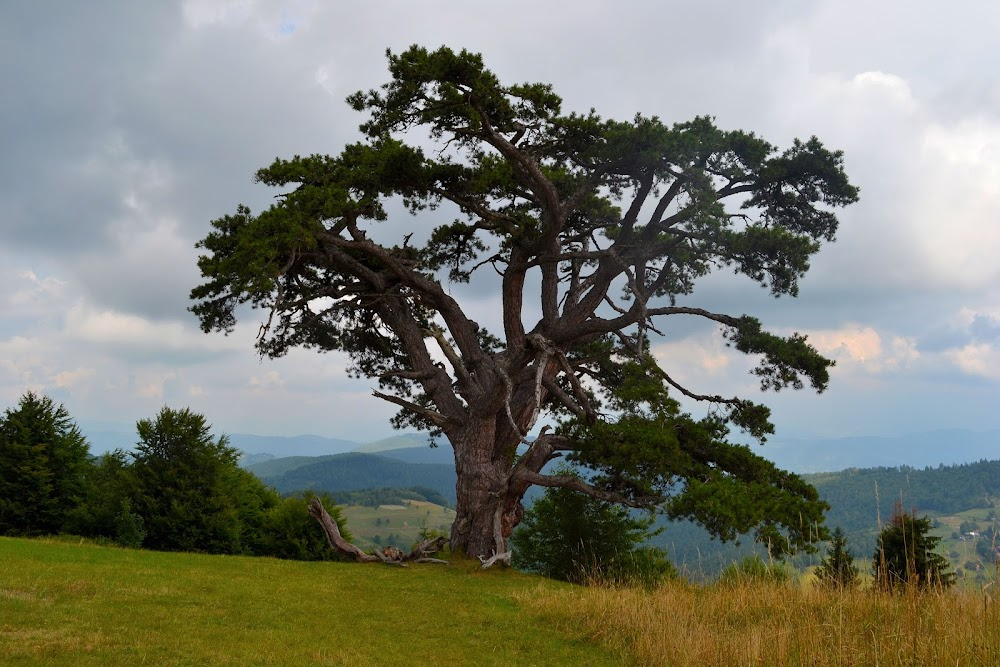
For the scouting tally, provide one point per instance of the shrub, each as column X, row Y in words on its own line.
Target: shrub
column 838, row 568
column 189, row 489
column 289, row 531
column 570, row 536
column 129, row 530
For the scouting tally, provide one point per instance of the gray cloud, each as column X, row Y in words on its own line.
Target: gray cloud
column 129, row 126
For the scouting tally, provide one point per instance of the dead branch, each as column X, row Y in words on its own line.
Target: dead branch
column 333, row 536
column 496, row 558
column 389, row 555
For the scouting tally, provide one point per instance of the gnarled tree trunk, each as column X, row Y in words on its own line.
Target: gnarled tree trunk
column 482, row 473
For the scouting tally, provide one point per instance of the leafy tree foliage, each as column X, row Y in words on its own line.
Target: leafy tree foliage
column 43, row 459
column 906, row 554
column 189, row 490
column 838, row 568
column 968, row 526
column 129, row 527
column 606, row 225
column 107, row 493
column 571, row 536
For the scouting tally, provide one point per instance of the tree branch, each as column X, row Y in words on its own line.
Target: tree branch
column 433, row 417
column 333, row 536
column 577, row 484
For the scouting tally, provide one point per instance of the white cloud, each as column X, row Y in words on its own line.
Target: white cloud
column 980, row 359
column 862, row 349
column 269, row 380
column 67, row 379
column 272, row 18
column 34, row 289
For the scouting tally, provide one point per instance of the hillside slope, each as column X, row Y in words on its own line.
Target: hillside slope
column 353, row 471
column 75, row 604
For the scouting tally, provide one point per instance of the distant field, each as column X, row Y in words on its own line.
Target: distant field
column 405, row 524
column 77, row 604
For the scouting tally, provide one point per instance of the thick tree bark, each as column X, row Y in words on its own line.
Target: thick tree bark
column 483, row 468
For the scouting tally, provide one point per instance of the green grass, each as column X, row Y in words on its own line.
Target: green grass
column 70, row 603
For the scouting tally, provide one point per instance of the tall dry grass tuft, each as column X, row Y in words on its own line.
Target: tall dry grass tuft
column 764, row 623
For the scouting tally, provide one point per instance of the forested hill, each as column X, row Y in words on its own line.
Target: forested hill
column 353, row 471
column 859, row 497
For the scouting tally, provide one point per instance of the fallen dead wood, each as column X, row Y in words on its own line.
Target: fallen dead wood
column 389, row 555
column 496, row 558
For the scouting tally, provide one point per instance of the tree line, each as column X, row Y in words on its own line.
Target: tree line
column 181, row 489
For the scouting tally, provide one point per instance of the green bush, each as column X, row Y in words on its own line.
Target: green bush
column 129, row 530
column 906, row 554
column 190, row 491
column 289, row 531
column 107, row 485
column 838, row 568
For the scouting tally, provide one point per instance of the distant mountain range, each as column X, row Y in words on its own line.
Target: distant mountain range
column 918, row 450
column 799, row 455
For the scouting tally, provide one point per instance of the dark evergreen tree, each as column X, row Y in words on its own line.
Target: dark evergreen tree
column 906, row 556
column 43, row 462
column 605, row 225
column 838, row 568
column 189, row 490
column 107, row 489
column 574, row 537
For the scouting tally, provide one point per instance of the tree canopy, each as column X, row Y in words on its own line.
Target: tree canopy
column 596, row 232
column 189, row 490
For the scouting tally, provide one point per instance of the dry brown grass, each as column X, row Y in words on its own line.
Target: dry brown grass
column 682, row 625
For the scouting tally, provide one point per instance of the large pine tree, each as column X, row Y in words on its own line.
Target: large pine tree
column 596, row 233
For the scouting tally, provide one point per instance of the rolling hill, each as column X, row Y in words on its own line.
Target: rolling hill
column 354, row 471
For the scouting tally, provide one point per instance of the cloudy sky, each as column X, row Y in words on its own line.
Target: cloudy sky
column 128, row 126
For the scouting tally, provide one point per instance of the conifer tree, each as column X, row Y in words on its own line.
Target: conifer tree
column 838, row 568
column 906, row 556
column 594, row 234
column 43, row 461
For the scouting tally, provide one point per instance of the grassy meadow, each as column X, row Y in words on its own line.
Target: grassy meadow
column 66, row 603
column 683, row 625
column 70, row 603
